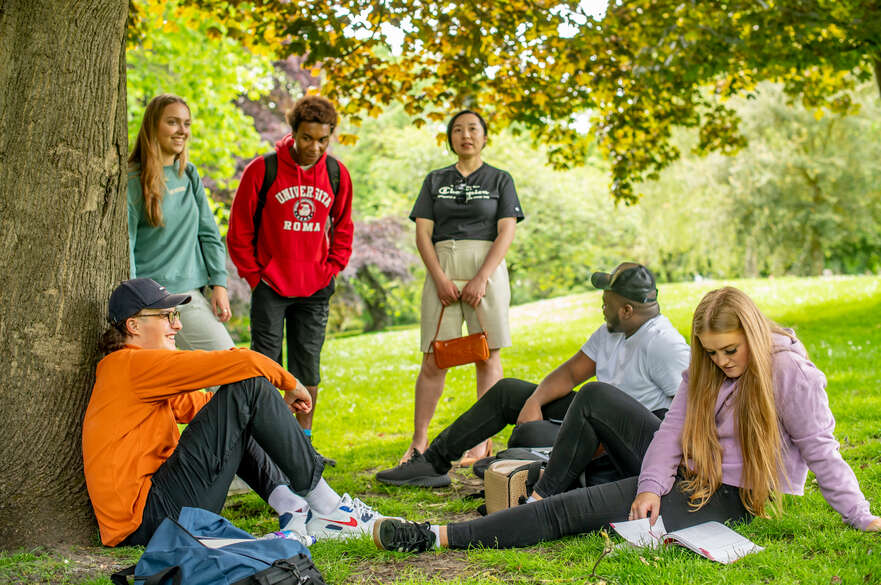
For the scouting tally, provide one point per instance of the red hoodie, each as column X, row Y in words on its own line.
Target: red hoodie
column 297, row 251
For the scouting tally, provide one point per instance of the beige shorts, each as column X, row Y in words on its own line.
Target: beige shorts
column 460, row 261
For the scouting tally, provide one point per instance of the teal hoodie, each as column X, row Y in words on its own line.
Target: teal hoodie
column 187, row 252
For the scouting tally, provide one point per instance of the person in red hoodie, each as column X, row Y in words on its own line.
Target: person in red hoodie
column 291, row 244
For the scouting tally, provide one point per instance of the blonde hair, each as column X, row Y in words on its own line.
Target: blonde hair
column 721, row 311
column 146, row 158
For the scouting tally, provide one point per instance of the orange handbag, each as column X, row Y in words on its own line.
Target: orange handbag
column 458, row 351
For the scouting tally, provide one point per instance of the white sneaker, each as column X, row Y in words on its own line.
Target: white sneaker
column 362, row 510
column 293, row 526
column 352, row 518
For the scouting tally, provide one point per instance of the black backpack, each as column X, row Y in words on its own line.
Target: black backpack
column 270, row 160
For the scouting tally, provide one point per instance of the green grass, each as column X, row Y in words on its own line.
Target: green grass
column 364, row 420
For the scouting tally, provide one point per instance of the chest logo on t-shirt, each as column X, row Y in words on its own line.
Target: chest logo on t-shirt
column 303, row 204
column 463, row 192
column 304, row 209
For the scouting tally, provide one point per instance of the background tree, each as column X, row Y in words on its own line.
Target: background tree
column 176, row 49
column 377, row 269
column 62, row 220
column 806, row 195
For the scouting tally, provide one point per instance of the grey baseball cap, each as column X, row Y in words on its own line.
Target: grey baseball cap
column 631, row 281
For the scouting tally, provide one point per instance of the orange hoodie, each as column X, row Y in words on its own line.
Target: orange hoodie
column 130, row 425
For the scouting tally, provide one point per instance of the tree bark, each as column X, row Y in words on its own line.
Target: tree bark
column 376, row 303
column 63, row 145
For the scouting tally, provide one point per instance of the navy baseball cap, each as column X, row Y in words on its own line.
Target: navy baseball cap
column 631, row 281
column 141, row 293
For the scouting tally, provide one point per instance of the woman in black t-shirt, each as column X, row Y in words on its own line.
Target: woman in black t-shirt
column 465, row 217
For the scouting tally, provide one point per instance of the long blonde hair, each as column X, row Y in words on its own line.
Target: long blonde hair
column 147, row 160
column 721, row 311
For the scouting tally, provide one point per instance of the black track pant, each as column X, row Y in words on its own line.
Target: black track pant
column 599, row 413
column 245, row 429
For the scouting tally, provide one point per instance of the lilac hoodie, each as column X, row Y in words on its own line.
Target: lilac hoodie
column 806, row 426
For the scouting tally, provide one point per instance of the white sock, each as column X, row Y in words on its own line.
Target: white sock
column 284, row 501
column 530, row 499
column 323, row 498
column 436, row 530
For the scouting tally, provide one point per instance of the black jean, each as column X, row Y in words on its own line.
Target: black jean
column 245, row 429
column 598, row 413
column 586, row 510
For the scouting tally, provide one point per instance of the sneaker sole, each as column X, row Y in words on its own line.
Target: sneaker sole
column 333, row 535
column 376, row 539
column 428, row 481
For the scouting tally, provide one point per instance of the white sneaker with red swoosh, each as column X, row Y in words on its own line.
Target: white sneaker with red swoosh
column 352, row 518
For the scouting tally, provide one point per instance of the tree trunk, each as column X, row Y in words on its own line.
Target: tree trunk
column 877, row 61
column 62, row 246
column 376, row 302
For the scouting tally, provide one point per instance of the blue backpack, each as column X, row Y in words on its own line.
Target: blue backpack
column 202, row 548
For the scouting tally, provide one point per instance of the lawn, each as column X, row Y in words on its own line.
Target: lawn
column 364, row 420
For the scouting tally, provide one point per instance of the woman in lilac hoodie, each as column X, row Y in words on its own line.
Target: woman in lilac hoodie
column 749, row 389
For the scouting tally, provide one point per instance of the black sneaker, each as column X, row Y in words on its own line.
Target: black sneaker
column 402, row 536
column 417, row 471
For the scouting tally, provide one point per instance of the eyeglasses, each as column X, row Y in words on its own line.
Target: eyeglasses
column 171, row 316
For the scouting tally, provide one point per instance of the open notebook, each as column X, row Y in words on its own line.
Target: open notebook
column 712, row 540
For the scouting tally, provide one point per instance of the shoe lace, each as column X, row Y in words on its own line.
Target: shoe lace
column 411, row 536
column 415, row 457
column 363, row 510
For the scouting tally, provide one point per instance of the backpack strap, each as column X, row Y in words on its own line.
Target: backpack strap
column 296, row 570
column 270, row 161
column 333, row 173
column 121, row 576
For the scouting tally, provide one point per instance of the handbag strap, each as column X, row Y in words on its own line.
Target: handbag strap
column 441, row 318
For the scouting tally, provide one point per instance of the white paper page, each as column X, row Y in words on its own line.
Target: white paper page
column 716, row 541
column 640, row 533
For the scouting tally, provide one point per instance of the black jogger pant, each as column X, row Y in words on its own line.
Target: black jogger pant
column 245, row 429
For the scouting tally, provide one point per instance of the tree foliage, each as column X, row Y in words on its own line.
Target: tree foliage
column 643, row 69
column 177, row 49
column 806, row 195
column 750, row 214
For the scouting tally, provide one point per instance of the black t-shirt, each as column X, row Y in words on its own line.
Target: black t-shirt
column 467, row 208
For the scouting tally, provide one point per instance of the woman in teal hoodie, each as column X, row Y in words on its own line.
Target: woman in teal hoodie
column 173, row 237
